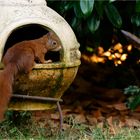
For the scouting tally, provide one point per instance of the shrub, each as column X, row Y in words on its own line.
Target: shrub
column 133, row 93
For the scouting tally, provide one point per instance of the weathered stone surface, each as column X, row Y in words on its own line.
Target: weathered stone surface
column 45, row 79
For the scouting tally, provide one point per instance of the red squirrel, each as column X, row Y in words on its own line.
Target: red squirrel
column 21, row 57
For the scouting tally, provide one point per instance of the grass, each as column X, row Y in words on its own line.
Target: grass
column 26, row 129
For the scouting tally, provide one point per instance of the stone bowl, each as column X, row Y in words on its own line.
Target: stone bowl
column 45, row 80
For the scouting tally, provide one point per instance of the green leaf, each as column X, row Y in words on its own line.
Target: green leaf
column 113, row 15
column 135, row 102
column 112, row 0
column 137, row 6
column 89, row 49
column 74, row 22
column 68, row 5
column 99, row 5
column 77, row 10
column 86, row 6
column 135, row 19
column 93, row 23
column 132, row 90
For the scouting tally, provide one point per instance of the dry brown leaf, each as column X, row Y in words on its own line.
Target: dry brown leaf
column 124, row 112
column 67, row 111
column 120, row 106
column 112, row 127
column 100, row 125
column 80, row 118
column 55, row 116
column 121, row 124
column 105, row 110
column 112, row 113
column 97, row 114
column 137, row 109
column 66, row 126
column 91, row 119
column 132, row 122
column 78, row 109
column 54, row 124
column 110, row 121
column 101, row 119
column 136, row 115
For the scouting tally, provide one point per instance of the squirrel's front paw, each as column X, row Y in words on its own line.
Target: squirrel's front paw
column 48, row 61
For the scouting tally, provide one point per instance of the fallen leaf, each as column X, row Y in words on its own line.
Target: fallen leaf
column 97, row 114
column 120, row 107
column 66, row 111
column 55, row 116
column 100, row 125
column 110, row 121
column 136, row 115
column 80, row 118
column 66, row 126
column 111, row 126
column 105, row 109
column 121, row 124
column 101, row 119
column 138, row 109
column 91, row 120
column 132, row 122
column 78, row 109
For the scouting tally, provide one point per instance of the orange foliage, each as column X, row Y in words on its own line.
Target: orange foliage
column 117, row 54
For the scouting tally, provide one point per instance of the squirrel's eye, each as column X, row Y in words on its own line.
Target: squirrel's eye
column 54, row 43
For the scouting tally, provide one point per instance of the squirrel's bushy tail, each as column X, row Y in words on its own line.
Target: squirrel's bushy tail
column 6, row 82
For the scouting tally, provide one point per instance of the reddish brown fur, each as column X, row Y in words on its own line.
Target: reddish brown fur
column 21, row 58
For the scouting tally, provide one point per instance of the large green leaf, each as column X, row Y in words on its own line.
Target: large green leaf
column 93, row 23
column 68, row 5
column 137, row 7
column 77, row 10
column 75, row 22
column 135, row 19
column 99, row 5
column 112, row 0
column 134, row 96
column 86, row 6
column 113, row 15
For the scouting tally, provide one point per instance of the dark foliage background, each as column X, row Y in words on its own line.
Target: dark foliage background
column 98, row 22
column 95, row 21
